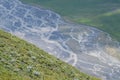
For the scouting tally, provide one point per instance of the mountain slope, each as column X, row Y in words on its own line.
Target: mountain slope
column 20, row 60
column 88, row 49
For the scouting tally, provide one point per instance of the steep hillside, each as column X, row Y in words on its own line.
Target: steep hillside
column 20, row 60
column 103, row 14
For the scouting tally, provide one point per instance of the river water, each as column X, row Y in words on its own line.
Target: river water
column 90, row 50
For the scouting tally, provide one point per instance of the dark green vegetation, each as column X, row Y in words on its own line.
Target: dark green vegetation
column 103, row 14
column 20, row 60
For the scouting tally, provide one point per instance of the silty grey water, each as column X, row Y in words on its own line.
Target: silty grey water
column 87, row 48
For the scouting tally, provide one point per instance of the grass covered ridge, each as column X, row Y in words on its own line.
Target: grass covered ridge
column 20, row 60
column 102, row 14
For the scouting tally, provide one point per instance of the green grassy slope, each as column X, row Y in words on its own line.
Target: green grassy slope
column 20, row 60
column 103, row 14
